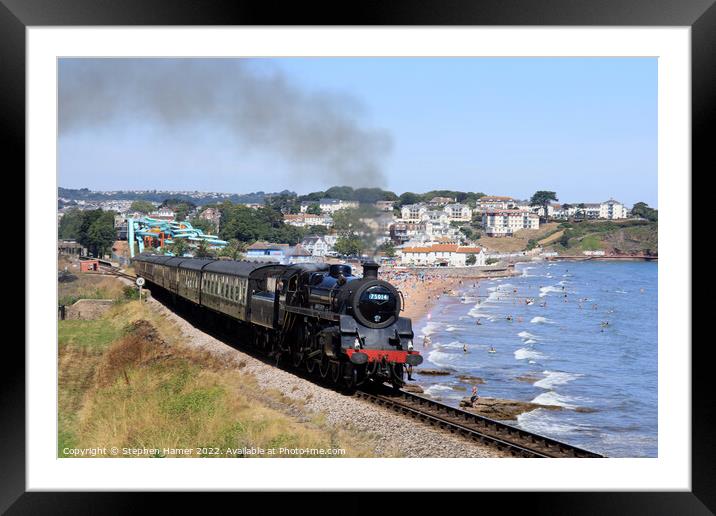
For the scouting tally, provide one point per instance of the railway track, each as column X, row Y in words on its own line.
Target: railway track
column 512, row 440
column 515, row 441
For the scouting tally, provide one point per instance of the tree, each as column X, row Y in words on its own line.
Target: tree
column 641, row 209
column 205, row 225
column 179, row 247
column 349, row 245
column 234, row 250
column 142, row 206
column 470, row 259
column 314, row 209
column 70, row 224
column 388, row 249
column 542, row 198
column 203, row 251
column 96, row 231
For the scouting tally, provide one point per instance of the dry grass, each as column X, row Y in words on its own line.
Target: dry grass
column 519, row 241
column 151, row 391
column 88, row 286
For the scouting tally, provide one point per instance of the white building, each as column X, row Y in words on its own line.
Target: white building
column 412, row 213
column 495, row 202
column 506, row 222
column 458, row 212
column 421, row 212
column 612, row 209
column 451, row 255
column 327, row 205
column 307, row 219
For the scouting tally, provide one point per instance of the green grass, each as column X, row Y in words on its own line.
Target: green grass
column 93, row 335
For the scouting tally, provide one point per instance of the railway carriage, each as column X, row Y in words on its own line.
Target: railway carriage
column 324, row 318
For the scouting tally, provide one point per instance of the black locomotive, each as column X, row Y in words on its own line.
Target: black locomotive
column 326, row 319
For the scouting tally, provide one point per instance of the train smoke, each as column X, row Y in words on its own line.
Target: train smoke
column 320, row 135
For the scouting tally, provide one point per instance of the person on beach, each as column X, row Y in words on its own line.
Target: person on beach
column 410, row 372
column 473, row 397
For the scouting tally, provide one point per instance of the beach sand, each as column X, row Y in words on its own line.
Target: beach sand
column 420, row 295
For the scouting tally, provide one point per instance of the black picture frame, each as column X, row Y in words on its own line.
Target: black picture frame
column 700, row 15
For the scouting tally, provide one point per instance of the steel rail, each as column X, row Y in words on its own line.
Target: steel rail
column 516, row 441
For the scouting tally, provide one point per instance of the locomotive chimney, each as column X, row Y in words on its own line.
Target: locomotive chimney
column 370, row 270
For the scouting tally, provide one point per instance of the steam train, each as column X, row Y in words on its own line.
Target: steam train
column 344, row 327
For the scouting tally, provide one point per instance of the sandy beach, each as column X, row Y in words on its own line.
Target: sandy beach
column 421, row 291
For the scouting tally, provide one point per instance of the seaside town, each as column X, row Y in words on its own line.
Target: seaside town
column 457, row 229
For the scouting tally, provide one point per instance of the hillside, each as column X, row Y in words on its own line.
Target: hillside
column 519, row 241
column 613, row 237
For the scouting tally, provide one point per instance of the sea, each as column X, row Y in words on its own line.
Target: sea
column 581, row 336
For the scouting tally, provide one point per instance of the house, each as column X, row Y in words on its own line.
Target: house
column 163, row 214
column 495, row 202
column 213, row 215
column 451, row 255
column 506, row 222
column 413, row 212
column 307, row 219
column 384, row 205
column 279, row 253
column 611, row 210
column 440, row 201
column 458, row 212
column 328, row 205
column 266, row 249
column 316, row 245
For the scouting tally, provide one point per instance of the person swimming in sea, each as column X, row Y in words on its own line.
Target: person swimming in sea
column 464, row 348
column 509, row 317
column 492, row 350
column 478, row 322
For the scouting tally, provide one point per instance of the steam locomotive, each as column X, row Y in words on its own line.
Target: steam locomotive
column 344, row 327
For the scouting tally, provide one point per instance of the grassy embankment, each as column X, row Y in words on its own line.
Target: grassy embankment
column 129, row 380
column 613, row 237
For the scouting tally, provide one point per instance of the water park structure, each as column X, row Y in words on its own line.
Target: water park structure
column 149, row 233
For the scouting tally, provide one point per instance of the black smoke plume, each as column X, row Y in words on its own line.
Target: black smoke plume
column 320, row 135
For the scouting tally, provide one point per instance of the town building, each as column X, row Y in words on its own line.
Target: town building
column 495, row 202
column 328, row 205
column 458, row 212
column 506, row 222
column 306, row 219
column 413, row 212
column 278, row 253
column 612, row 210
column 316, row 245
column 384, row 205
column 440, row 201
column 451, row 255
column 213, row 215
column 163, row 214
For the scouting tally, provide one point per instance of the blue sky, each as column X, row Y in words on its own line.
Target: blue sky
column 583, row 127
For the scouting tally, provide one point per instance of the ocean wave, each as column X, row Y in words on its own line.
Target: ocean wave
column 555, row 399
column 542, row 421
column 545, row 290
column 430, row 328
column 553, row 378
column 452, row 328
column 541, row 320
column 525, row 353
column 525, row 335
column 445, row 360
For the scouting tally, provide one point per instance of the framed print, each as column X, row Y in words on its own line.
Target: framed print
column 419, row 240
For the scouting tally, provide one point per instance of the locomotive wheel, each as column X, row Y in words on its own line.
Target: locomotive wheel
column 297, row 358
column 311, row 365
column 324, row 367
column 350, row 378
column 336, row 372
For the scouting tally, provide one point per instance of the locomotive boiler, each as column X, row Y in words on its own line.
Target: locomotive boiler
column 335, row 324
